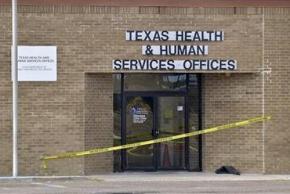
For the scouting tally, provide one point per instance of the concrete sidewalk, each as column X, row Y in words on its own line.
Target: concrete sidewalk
column 149, row 183
column 159, row 176
column 187, row 176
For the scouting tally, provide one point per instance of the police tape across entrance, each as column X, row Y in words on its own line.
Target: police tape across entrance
column 154, row 141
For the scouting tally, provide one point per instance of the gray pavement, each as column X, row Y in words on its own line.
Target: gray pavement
column 148, row 183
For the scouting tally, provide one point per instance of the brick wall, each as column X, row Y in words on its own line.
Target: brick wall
column 277, row 90
column 89, row 38
column 50, row 122
column 226, row 99
column 5, row 97
column 98, row 121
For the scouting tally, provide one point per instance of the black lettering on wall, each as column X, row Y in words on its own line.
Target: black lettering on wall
column 214, row 65
column 117, row 64
column 210, row 35
column 200, row 50
column 170, row 64
column 187, row 65
column 162, row 64
column 142, row 64
column 223, row 64
column 219, row 36
column 231, row 64
column 130, row 32
column 181, row 49
column 138, row 35
column 156, row 36
column 147, row 35
column 163, row 50
column 179, row 35
column 196, row 36
column 126, row 64
column 133, row 65
column 165, row 35
column 187, row 35
column 156, row 64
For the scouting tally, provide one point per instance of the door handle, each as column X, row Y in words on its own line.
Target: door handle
column 157, row 132
column 154, row 133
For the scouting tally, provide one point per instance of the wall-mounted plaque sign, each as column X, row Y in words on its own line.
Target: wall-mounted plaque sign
column 37, row 63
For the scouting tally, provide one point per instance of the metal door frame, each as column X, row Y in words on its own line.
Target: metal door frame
column 156, row 147
column 124, row 138
column 155, row 95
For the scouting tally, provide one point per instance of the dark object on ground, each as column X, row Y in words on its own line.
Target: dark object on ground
column 227, row 170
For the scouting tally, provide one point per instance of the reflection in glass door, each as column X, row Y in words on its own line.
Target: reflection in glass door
column 171, row 114
column 155, row 117
column 150, row 106
column 139, row 127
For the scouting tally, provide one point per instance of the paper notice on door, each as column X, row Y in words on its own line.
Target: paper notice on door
column 139, row 118
column 179, row 108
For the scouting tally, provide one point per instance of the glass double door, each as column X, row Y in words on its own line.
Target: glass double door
column 152, row 117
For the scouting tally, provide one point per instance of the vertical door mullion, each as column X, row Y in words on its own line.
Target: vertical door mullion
column 186, row 130
column 156, row 147
column 200, row 120
column 123, row 124
column 186, row 125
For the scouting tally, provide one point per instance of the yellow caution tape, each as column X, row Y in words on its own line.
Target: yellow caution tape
column 154, row 141
column 133, row 151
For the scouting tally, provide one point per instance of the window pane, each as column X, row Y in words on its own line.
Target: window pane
column 193, row 101
column 155, row 82
column 117, row 131
column 117, row 83
column 171, row 122
column 139, row 125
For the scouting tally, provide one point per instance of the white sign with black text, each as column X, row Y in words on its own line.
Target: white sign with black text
column 37, row 63
column 135, row 35
column 170, row 50
column 191, row 64
column 171, row 65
